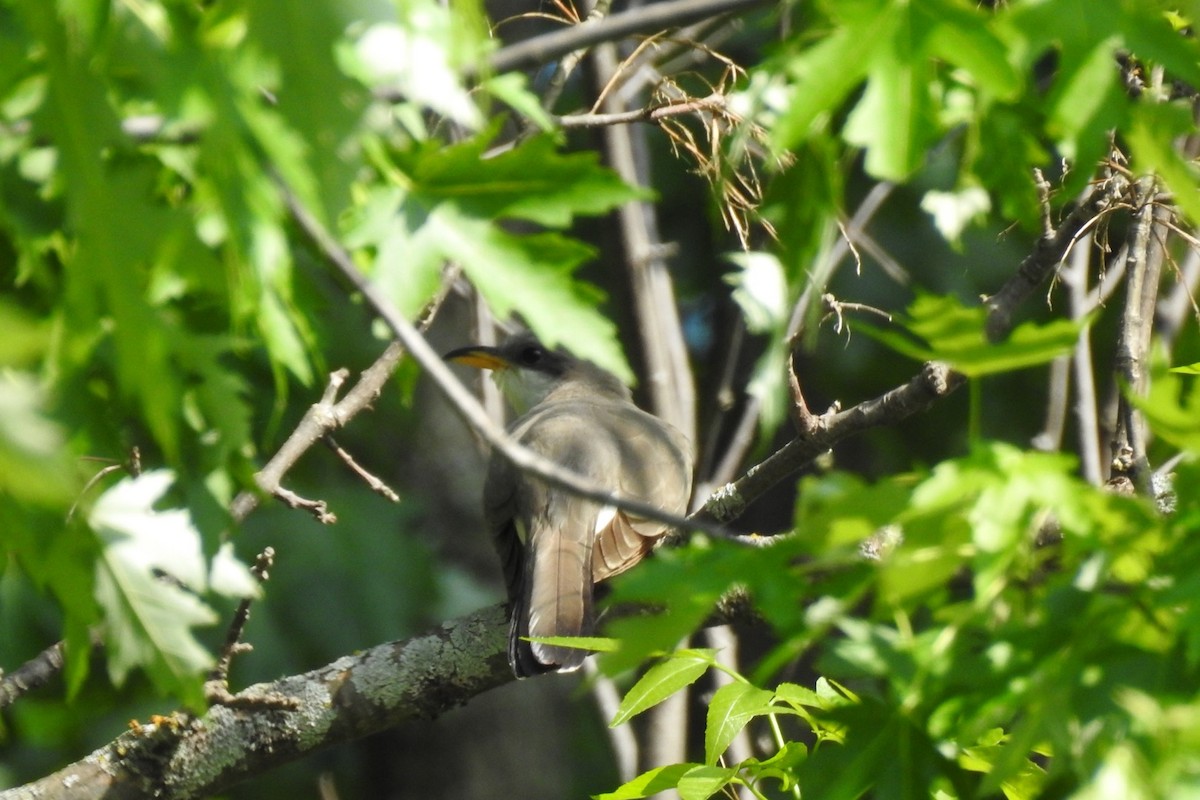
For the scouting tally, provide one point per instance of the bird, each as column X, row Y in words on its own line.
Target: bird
column 555, row 546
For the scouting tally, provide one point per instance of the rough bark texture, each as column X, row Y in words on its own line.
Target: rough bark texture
column 181, row 757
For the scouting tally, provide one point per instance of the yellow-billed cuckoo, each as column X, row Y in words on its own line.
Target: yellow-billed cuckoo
column 554, row 545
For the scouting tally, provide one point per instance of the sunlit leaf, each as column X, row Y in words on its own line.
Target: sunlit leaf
column 702, row 782
column 593, row 644
column 147, row 582
column 649, row 783
column 732, row 706
column 942, row 329
column 681, row 668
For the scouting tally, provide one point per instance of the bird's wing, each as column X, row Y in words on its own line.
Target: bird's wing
column 555, row 588
column 656, row 467
column 499, row 511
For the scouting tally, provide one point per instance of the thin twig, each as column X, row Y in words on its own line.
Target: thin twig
column 803, row 419
column 1173, row 309
column 743, row 437
column 319, row 509
column 376, row 485
column 713, row 102
column 216, row 688
column 567, row 65
column 131, row 465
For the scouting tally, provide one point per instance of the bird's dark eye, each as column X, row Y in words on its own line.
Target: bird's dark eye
column 531, row 356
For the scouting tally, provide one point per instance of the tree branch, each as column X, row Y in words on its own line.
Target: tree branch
column 1048, row 253
column 934, row 382
column 177, row 757
column 1133, row 341
column 322, row 418
column 33, row 674
column 673, row 13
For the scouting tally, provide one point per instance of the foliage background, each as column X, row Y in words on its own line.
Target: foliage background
column 157, row 294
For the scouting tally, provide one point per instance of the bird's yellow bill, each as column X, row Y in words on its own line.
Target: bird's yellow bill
column 478, row 357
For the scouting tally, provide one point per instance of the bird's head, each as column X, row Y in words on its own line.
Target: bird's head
column 527, row 371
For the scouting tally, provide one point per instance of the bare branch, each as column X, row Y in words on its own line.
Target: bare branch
column 1048, row 252
column 319, row 509
column 321, row 418
column 804, row 420
column 376, row 485
column 713, row 102
column 33, row 674
column 934, row 382
column 672, row 394
column 1075, row 279
column 1133, row 341
column 216, row 688
column 607, row 694
column 643, row 19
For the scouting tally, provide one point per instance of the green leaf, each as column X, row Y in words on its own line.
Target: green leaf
column 649, row 783
column 33, row 464
column 681, row 668
column 150, row 569
column 449, row 203
column 1187, row 369
column 1152, row 136
column 702, row 782
column 1172, row 407
column 798, row 696
column 688, row 581
column 511, row 89
column 1086, row 99
column 416, row 59
column 760, row 290
column 893, row 120
column 1152, row 37
column 594, row 644
column 732, row 706
column 532, row 275
column 962, row 36
column 533, row 182
column 24, row 338
column 780, row 766
column 822, row 77
column 942, row 329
